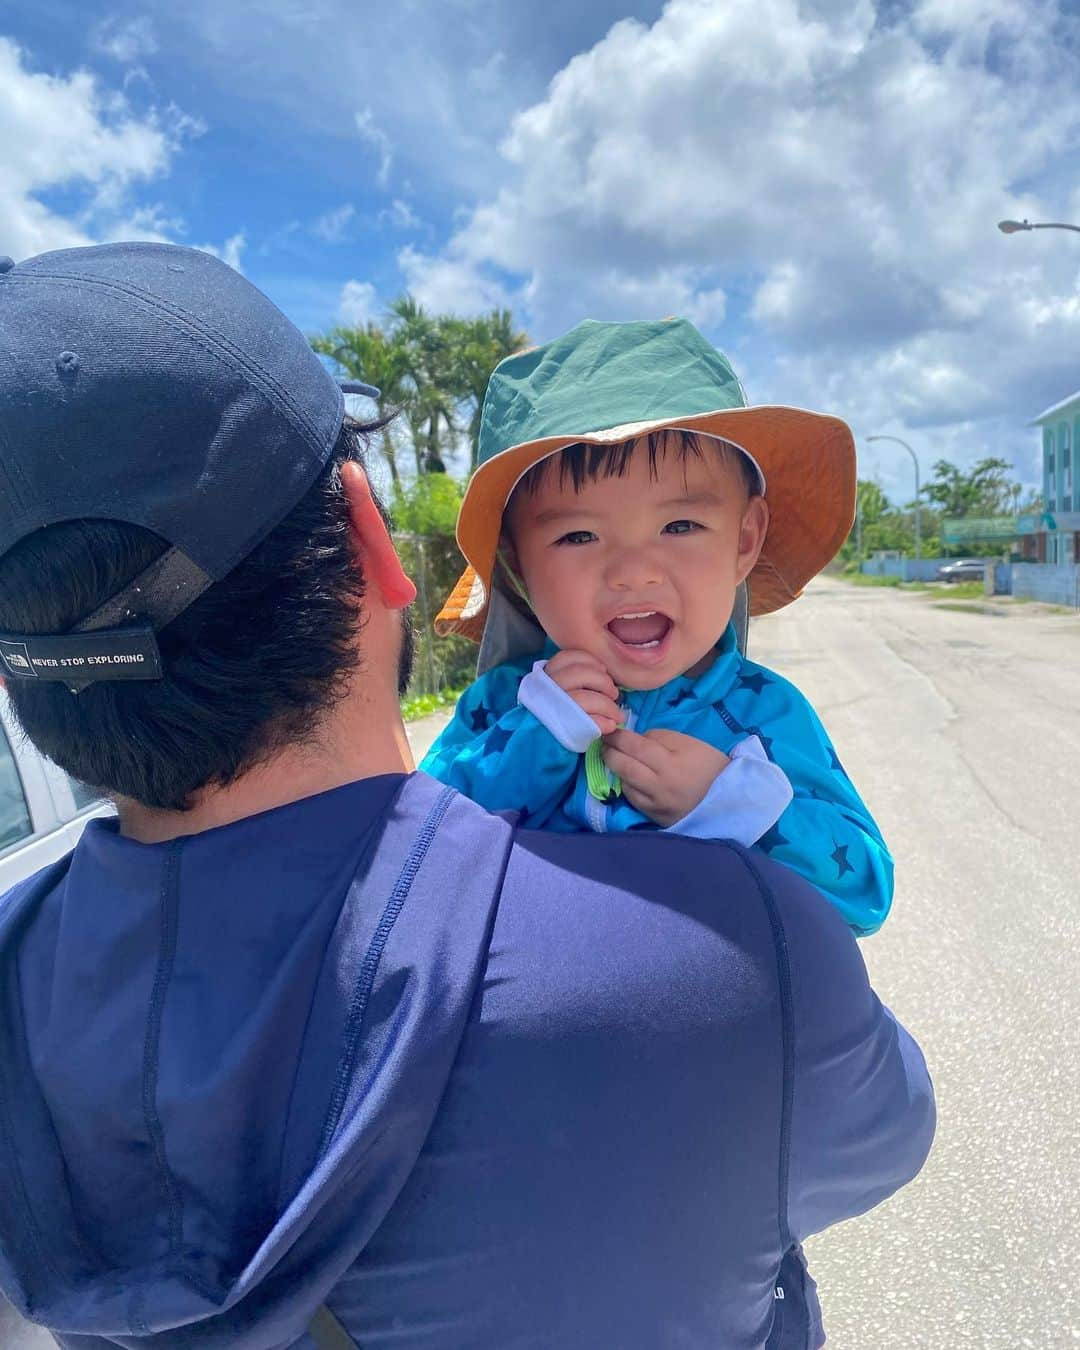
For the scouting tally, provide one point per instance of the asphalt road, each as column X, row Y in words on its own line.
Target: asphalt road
column 962, row 731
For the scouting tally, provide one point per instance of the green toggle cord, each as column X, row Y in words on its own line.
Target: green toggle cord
column 602, row 783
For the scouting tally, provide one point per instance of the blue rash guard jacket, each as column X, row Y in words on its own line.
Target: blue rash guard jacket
column 472, row 1087
column 500, row 754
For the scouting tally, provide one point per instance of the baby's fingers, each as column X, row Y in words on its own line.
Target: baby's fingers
column 635, row 774
column 574, row 670
column 604, row 711
column 640, row 801
column 641, row 749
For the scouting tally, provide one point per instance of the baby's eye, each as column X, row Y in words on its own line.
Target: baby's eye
column 682, row 527
column 576, row 537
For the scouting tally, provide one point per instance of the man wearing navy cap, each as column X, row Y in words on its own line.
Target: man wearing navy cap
column 304, row 1049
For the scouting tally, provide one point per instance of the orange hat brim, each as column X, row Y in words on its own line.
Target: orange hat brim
column 808, row 460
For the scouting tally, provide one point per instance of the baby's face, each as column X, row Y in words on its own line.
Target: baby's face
column 639, row 571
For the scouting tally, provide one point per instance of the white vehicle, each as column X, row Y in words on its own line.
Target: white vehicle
column 42, row 810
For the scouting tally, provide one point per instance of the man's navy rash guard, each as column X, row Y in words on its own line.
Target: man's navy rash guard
column 477, row 1089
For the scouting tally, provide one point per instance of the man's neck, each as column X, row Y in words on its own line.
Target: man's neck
column 359, row 739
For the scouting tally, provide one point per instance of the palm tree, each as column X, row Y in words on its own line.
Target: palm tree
column 433, row 369
column 479, row 345
column 377, row 358
column 429, row 360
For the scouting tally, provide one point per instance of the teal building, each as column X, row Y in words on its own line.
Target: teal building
column 1056, row 536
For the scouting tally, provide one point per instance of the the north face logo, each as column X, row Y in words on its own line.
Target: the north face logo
column 17, row 658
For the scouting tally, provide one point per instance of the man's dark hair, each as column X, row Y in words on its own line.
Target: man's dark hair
column 249, row 667
column 583, row 463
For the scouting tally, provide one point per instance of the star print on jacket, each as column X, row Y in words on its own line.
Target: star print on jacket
column 498, row 753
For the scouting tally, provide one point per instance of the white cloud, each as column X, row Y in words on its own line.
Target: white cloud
column 955, row 17
column 839, row 167
column 401, row 216
column 449, row 285
column 70, row 133
column 358, row 304
column 230, row 251
column 374, row 136
column 439, row 78
column 125, row 40
column 234, row 247
column 332, row 225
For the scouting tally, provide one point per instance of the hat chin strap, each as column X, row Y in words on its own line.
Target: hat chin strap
column 510, row 631
column 158, row 594
column 514, row 579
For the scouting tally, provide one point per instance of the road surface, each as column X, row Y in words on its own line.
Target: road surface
column 962, row 731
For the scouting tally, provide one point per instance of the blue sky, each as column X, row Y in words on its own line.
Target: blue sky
column 816, row 184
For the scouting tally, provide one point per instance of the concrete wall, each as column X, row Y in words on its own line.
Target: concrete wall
column 1042, row 581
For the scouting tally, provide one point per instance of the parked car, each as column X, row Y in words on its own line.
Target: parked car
column 962, row 569
column 42, row 810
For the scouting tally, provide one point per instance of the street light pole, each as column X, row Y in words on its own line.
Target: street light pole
column 914, row 460
column 1013, row 226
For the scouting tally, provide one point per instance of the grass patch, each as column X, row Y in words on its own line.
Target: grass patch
column 939, row 590
column 893, row 583
column 962, row 590
column 422, row 705
column 863, row 579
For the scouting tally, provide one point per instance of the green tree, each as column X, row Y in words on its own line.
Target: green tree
column 987, row 489
column 887, row 527
column 429, row 505
column 479, row 345
column 378, row 358
column 432, row 369
column 430, row 362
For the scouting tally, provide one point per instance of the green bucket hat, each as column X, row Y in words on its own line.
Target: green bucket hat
column 603, row 383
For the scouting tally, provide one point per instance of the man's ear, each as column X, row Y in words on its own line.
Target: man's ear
column 378, row 557
column 752, row 532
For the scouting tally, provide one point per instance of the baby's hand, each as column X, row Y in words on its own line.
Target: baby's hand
column 665, row 774
column 589, row 685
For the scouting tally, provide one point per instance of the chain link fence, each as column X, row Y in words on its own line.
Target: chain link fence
column 434, row 563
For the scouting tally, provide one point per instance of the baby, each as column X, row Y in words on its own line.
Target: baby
column 625, row 491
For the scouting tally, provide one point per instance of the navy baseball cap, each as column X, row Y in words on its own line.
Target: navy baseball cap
column 151, row 384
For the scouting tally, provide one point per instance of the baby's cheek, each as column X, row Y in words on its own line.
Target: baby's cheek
column 563, row 611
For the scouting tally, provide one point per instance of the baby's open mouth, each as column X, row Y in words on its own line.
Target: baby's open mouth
column 641, row 629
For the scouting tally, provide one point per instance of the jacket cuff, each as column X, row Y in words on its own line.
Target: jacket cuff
column 746, row 799
column 554, row 709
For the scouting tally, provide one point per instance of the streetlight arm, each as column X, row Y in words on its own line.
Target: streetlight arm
column 1013, row 226
column 918, row 489
column 914, row 457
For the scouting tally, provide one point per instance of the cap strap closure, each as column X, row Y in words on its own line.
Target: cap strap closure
column 118, row 641
column 158, row 594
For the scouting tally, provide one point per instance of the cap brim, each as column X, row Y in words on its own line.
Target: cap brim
column 811, row 497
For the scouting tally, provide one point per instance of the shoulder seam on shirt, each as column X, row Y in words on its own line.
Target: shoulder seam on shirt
column 787, row 1033
column 370, row 964
column 169, row 899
